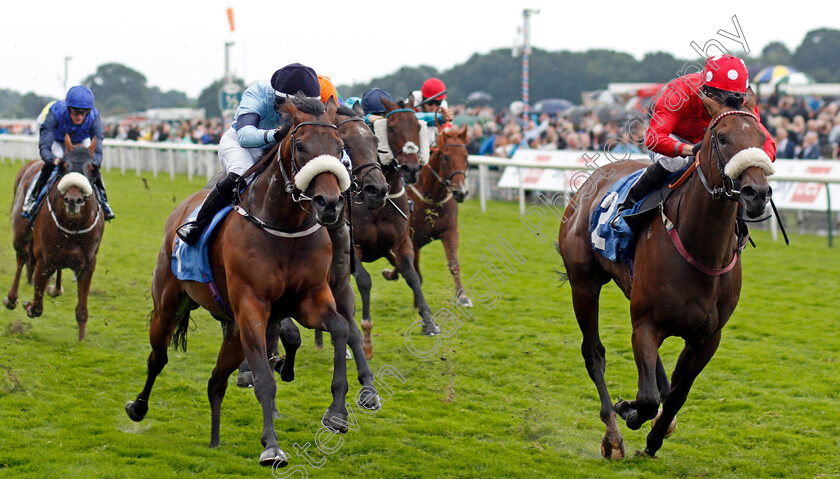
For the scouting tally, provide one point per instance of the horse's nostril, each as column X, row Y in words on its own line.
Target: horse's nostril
column 319, row 202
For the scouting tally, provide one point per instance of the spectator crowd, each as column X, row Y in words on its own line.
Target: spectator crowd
column 803, row 127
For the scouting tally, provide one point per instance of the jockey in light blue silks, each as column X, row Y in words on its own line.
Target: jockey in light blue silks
column 75, row 116
column 255, row 129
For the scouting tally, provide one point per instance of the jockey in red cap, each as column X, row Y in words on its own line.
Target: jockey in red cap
column 679, row 119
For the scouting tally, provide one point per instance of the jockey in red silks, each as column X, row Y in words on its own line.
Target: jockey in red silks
column 679, row 120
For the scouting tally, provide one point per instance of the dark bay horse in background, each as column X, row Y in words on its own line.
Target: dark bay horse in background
column 384, row 233
column 687, row 275
column 65, row 234
column 270, row 261
column 436, row 196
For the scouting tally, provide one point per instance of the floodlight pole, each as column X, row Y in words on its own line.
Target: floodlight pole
column 66, row 62
column 526, row 50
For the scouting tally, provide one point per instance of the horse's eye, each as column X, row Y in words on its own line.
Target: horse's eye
column 299, row 146
column 722, row 139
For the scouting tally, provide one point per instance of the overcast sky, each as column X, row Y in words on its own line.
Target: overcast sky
column 179, row 44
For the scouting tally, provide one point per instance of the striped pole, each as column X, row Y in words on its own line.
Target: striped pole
column 526, row 50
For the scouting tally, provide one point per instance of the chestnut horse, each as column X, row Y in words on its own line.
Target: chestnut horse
column 270, row 261
column 687, row 275
column 436, row 196
column 64, row 234
column 385, row 232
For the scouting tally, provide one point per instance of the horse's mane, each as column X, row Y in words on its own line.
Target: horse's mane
column 310, row 106
column 345, row 111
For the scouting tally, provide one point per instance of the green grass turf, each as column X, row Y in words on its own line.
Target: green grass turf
column 506, row 396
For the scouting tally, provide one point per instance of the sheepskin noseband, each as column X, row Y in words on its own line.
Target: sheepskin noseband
column 747, row 158
column 386, row 156
column 322, row 164
column 75, row 179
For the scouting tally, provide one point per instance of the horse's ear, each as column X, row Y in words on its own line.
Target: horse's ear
column 332, row 106
column 357, row 107
column 463, row 132
column 711, row 105
column 92, row 147
column 68, row 144
column 291, row 109
column 388, row 104
column 749, row 102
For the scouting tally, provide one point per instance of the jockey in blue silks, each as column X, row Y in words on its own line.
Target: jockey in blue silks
column 258, row 125
column 75, row 116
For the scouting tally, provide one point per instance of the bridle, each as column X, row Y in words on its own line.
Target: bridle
column 290, row 185
column 728, row 190
column 360, row 172
column 447, row 182
column 308, row 227
column 407, row 149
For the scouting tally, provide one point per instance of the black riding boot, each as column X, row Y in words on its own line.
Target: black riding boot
column 32, row 200
column 651, row 178
column 218, row 197
column 103, row 197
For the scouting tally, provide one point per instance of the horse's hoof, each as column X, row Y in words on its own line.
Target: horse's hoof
column 348, row 355
column 646, row 454
column 368, row 398
column 614, row 451
column 245, row 379
column 273, row 457
column 390, row 275
column 30, row 310
column 9, row 304
column 335, row 422
column 465, row 301
column 136, row 410
column 368, row 352
column 430, row 329
column 53, row 292
column 671, row 427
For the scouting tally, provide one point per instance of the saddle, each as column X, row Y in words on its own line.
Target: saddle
column 616, row 240
column 41, row 194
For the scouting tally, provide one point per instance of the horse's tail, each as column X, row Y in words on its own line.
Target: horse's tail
column 564, row 276
column 179, row 338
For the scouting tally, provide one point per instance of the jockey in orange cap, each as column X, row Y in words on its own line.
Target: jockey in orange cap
column 679, row 120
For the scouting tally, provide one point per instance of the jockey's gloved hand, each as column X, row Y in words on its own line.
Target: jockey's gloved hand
column 696, row 148
column 278, row 135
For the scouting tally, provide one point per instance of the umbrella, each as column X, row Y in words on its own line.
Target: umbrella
column 603, row 97
column 611, row 113
column 479, row 97
column 773, row 73
column 552, row 106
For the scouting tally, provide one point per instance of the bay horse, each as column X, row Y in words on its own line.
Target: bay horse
column 687, row 275
column 65, row 233
column 370, row 186
column 270, row 261
column 436, row 196
column 385, row 232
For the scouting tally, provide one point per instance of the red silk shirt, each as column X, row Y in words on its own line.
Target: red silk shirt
column 679, row 110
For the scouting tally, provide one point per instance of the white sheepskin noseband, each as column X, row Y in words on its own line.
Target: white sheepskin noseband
column 386, row 156
column 747, row 158
column 75, row 179
column 322, row 164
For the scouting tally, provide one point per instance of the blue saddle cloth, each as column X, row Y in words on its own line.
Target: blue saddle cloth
column 616, row 243
column 192, row 262
column 42, row 193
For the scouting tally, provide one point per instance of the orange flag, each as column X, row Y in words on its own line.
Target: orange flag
column 230, row 18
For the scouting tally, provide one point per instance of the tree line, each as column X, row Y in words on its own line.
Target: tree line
column 563, row 74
